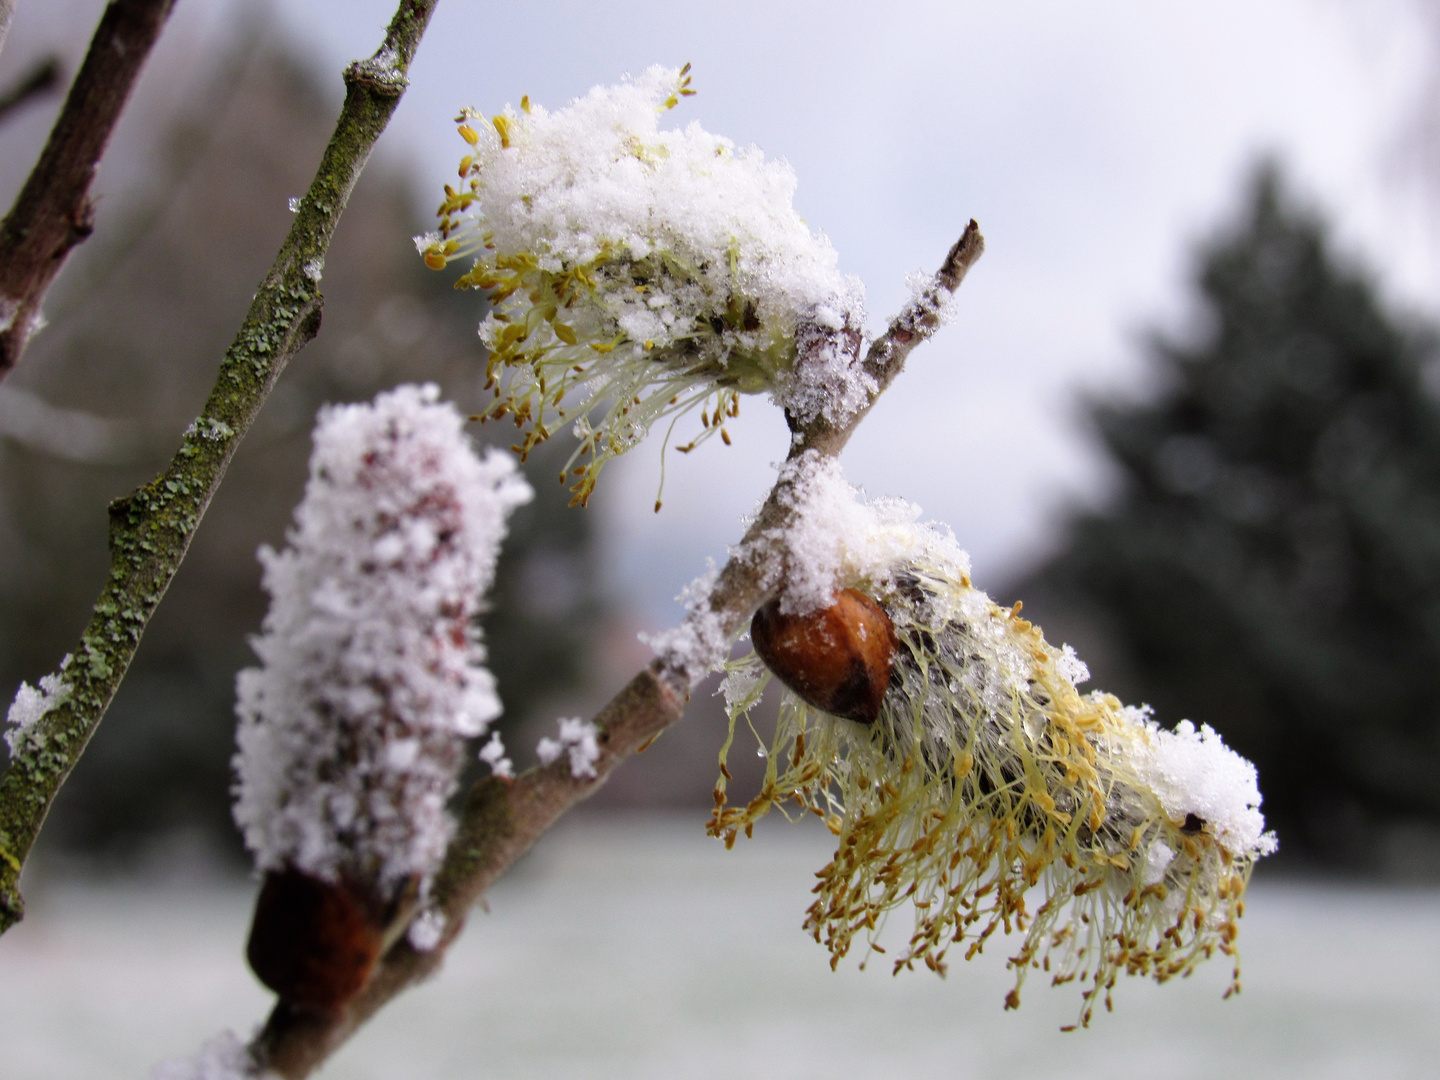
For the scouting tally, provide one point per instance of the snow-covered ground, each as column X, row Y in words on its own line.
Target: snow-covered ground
column 637, row 948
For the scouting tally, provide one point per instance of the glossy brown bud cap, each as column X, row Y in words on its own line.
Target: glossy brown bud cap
column 313, row 942
column 837, row 658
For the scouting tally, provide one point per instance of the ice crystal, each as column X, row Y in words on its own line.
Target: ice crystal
column 988, row 775
column 493, row 754
column 637, row 273
column 352, row 730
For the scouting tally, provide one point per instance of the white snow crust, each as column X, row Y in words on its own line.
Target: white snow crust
column 1193, row 772
column 601, row 175
column 839, row 538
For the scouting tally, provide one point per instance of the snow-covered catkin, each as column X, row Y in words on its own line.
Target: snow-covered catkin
column 636, row 273
column 983, row 774
column 352, row 731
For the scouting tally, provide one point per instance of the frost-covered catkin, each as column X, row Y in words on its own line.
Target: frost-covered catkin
column 986, row 782
column 352, row 731
column 637, row 273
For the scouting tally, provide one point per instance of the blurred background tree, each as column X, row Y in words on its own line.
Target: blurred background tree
column 1271, row 562
column 138, row 323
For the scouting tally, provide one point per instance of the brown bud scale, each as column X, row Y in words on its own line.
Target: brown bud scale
column 313, row 942
column 837, row 658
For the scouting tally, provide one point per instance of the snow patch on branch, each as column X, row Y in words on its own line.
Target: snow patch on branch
column 578, row 738
column 33, row 702
column 223, row 1057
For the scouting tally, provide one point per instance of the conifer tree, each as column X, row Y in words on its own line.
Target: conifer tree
column 1272, row 564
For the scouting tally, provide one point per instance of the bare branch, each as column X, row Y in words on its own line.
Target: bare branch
column 43, row 76
column 54, row 211
column 502, row 819
column 151, row 529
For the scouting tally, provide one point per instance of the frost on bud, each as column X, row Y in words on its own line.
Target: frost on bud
column 984, row 773
column 352, row 731
column 636, row 273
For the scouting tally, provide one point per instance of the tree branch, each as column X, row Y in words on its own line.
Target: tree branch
column 54, row 212
column 151, row 529
column 7, row 12
column 503, row 818
column 42, row 77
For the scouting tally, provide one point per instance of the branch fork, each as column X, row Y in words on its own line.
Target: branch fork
column 502, row 818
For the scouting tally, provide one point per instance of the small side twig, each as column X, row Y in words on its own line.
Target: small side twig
column 151, row 529
column 503, row 818
column 54, row 212
column 43, row 76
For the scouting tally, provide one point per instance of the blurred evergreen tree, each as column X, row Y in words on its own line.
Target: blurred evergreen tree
column 138, row 325
column 1272, row 563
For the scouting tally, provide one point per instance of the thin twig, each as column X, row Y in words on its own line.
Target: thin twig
column 43, row 76
column 503, row 818
column 151, row 529
column 54, row 211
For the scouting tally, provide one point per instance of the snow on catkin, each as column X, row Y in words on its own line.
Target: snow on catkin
column 636, row 272
column 987, row 774
column 352, row 730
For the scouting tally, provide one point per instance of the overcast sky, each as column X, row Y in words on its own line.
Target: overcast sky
column 1093, row 142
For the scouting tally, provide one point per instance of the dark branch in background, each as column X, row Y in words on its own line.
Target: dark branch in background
column 54, row 211
column 7, row 12
column 43, row 76
column 502, row 818
column 151, row 529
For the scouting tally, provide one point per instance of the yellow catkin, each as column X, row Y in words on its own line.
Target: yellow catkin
column 989, row 775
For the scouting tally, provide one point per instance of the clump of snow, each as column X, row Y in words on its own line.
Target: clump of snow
column 223, row 1057
column 352, row 730
column 837, row 538
column 668, row 265
column 427, row 929
column 493, row 754
column 1194, row 772
column 578, row 738
column 33, row 702
column 601, row 181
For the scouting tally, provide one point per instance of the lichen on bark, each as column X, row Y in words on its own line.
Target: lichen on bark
column 152, row 527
